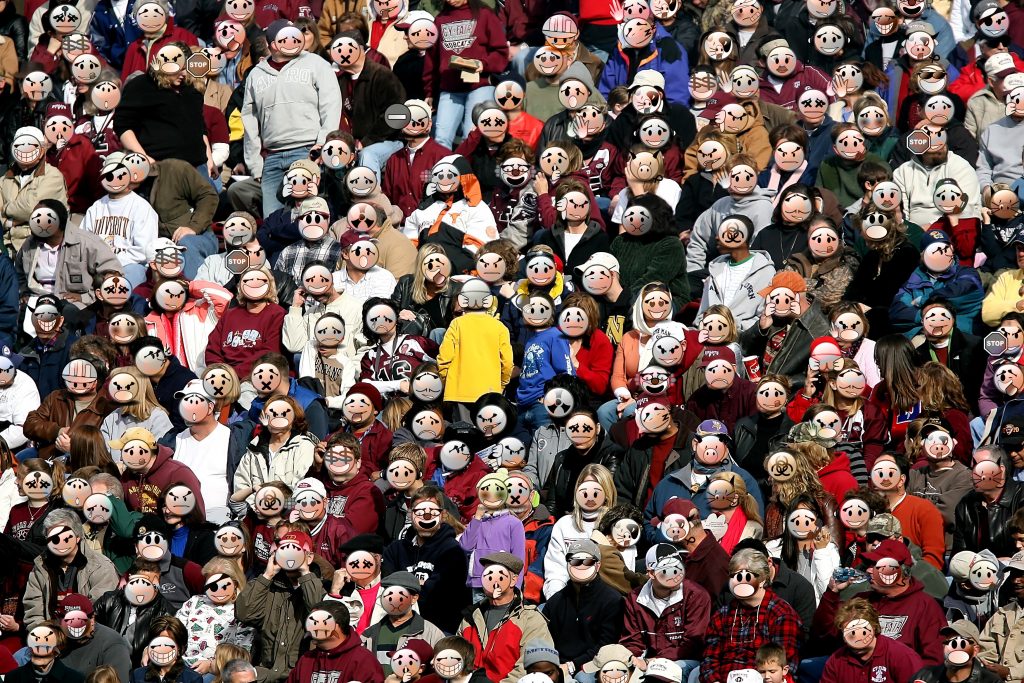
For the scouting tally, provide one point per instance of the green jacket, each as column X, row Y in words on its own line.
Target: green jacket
column 181, row 197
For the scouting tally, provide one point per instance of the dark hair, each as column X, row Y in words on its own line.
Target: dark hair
column 663, row 223
column 276, row 359
column 871, row 172
column 98, row 347
column 171, row 624
column 796, row 188
column 790, row 545
column 58, row 208
column 617, row 513
column 875, row 501
column 346, row 440
column 895, row 358
column 790, row 132
column 618, row 95
column 354, row 22
column 337, row 609
column 371, row 336
column 89, row 449
column 841, row 128
column 192, row 519
column 514, row 147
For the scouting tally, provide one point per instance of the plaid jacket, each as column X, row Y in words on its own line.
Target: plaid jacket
column 736, row 631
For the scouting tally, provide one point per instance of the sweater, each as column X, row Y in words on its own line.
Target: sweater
column 168, row 123
column 999, row 160
column 240, row 337
column 106, row 646
column 840, row 176
column 650, row 258
column 917, row 183
column 207, row 625
column 127, row 224
column 922, row 523
column 499, row 531
column 475, row 357
column 890, row 662
column 441, row 566
column 406, row 181
column 466, row 34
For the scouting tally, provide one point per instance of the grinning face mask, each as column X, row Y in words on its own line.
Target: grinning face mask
column 61, row 541
column 80, row 377
column 448, row 664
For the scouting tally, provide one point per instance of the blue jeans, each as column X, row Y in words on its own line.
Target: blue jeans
column 274, row 167
column 811, row 669
column 197, row 248
column 598, row 52
column 534, row 417
column 607, row 415
column 26, row 454
column 523, row 59
column 376, row 155
column 453, row 108
column 135, row 273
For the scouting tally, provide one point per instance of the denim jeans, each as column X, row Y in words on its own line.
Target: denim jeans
column 274, row 167
column 453, row 109
column 376, row 155
column 534, row 417
column 607, row 415
column 523, row 59
column 197, row 248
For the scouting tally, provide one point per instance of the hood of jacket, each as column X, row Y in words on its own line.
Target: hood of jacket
column 759, row 261
column 840, row 463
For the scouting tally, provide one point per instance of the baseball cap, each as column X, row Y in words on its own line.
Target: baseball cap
column 195, row 387
column 985, row 8
column 161, row 244
column 934, row 237
column 412, row 17
column 1016, row 562
column 713, row 353
column 34, row 132
column 306, row 165
column 885, row 524
column 662, row 669
column 537, row 651
column 962, row 627
column 1011, row 433
column 8, row 353
column 1000, row 64
column 58, row 109
column 608, row 653
column 918, row 27
column 134, row 434
column 711, row 428
column 311, row 204
column 603, row 259
column 406, row 580
column 300, row 538
column 648, row 77
column 275, row 28
column 351, row 237
column 657, row 554
column 310, row 485
column 891, row 549
column 584, row 546
column 72, row 602
column 48, row 300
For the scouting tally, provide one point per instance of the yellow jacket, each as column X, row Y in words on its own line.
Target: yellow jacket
column 1003, row 297
column 475, row 357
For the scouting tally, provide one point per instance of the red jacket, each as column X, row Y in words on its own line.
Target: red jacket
column 333, row 533
column 677, row 634
column 137, row 57
column 970, row 79
column 595, row 361
column 804, row 78
column 350, row 661
column 359, row 501
column 913, row 618
column 891, row 662
column 459, row 486
column 538, row 534
column 499, row 651
column 375, row 443
column 964, row 234
column 835, row 477
column 80, row 166
column 546, row 202
column 404, row 181
column 141, row 491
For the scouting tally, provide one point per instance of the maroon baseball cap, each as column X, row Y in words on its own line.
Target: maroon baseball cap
column 892, row 549
column 713, row 353
column 74, row 602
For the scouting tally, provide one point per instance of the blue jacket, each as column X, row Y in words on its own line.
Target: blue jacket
column 45, row 363
column 960, row 285
column 945, row 43
column 663, row 55
column 819, row 146
column 109, row 36
column 678, row 484
column 279, row 230
column 545, row 356
column 312, row 404
column 9, row 303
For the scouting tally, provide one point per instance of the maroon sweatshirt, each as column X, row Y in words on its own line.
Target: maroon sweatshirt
column 891, row 662
column 241, row 337
column 141, row 492
column 330, row 535
column 350, row 661
column 405, row 181
column 359, row 501
column 462, row 35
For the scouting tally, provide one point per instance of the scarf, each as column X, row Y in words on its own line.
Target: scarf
column 775, row 181
column 734, row 534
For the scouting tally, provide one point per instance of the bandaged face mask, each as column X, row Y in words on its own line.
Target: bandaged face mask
column 859, row 634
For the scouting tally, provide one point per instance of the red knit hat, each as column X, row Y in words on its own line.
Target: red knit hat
column 370, row 392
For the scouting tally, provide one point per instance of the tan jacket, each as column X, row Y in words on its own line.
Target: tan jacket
column 84, row 255
column 332, row 12
column 392, row 44
column 96, row 576
column 8, row 60
column 17, row 201
column 1002, row 641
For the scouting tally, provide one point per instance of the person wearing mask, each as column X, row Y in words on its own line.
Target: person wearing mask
column 337, row 653
column 982, row 516
column 279, row 601
column 405, row 168
column 29, row 180
column 316, row 295
column 165, row 372
column 962, row 646
column 359, row 273
column 46, row 642
column 735, row 277
column 47, row 354
column 205, row 448
column 130, row 609
column 286, row 134
column 270, row 378
column 400, row 592
column 80, row 402
column 150, row 469
column 865, row 648
column 724, row 396
column 917, row 177
column 250, row 329
column 90, row 644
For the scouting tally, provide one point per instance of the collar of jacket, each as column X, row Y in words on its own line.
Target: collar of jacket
column 39, row 170
column 514, row 609
column 647, row 599
column 592, row 229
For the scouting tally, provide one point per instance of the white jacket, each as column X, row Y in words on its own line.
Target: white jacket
column 16, row 402
column 10, row 495
column 349, row 372
column 289, row 465
column 299, row 325
column 917, row 184
column 556, row 575
column 746, row 303
column 823, row 563
column 475, row 222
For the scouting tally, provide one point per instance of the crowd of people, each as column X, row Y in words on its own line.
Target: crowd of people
column 512, row 341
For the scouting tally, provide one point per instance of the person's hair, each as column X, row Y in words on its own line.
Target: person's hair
column 276, row 359
column 145, row 402
column 65, row 516
column 894, row 355
column 730, row 319
column 584, row 301
column 235, row 392
column 514, row 147
column 857, row 608
column 269, row 297
column 162, row 80
column 353, row 21
column 741, row 159
column 603, row 476
column 371, row 336
column 755, row 562
column 346, row 441
column 829, row 395
column 663, row 218
column 747, row 502
column 223, row 565
column 420, row 294
column 88, row 447
column 770, row 653
column 193, row 519
column 781, row 380
column 61, row 641
column 102, row 674
column 896, row 231
column 100, row 276
column 649, row 186
column 787, row 132
column 841, row 128
column 939, row 388
column 617, row 513
column 876, row 501
column 112, row 483
column 841, row 307
column 300, row 425
column 411, row 451
column 573, row 152
column 871, row 172
column 796, row 188
column 901, row 461
column 619, row 96
column 106, row 74
column 1016, row 523
column 394, row 411
column 342, row 136
column 141, row 565
column 804, row 480
column 228, row 660
column 56, row 472
column 167, row 623
column 997, row 452
column 507, row 251
column 790, row 545
column 726, row 64
column 457, row 643
column 100, row 348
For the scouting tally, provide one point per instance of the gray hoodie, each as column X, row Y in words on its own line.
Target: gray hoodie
column 757, row 206
column 294, row 107
column 745, row 303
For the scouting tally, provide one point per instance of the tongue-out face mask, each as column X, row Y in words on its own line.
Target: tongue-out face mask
column 823, row 241
column 1009, row 379
column 771, row 397
column 625, row 533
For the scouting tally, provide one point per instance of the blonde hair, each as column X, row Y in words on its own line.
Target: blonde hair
column 603, row 476
column 103, row 674
column 419, row 283
column 829, row 395
column 411, row 451
column 224, row 565
column 236, row 389
column 227, row 652
column 804, row 480
column 725, row 312
column 747, row 502
column 145, row 402
column 269, row 297
column 394, row 412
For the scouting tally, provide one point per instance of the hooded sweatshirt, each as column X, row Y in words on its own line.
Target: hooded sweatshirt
column 757, row 206
column 745, row 302
column 470, row 35
column 349, row 661
column 891, row 662
column 141, row 491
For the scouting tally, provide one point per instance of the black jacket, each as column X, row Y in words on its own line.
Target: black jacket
column 168, row 123
column 376, row 89
column 684, row 126
column 937, row 674
column 112, row 610
column 594, row 239
column 634, row 469
column 173, row 381
column 44, row 363
column 402, row 296
column 582, row 618
column 58, row 673
column 967, row 359
column 565, row 469
column 745, row 440
column 977, row 527
column 875, row 284
column 15, row 27
column 442, row 566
